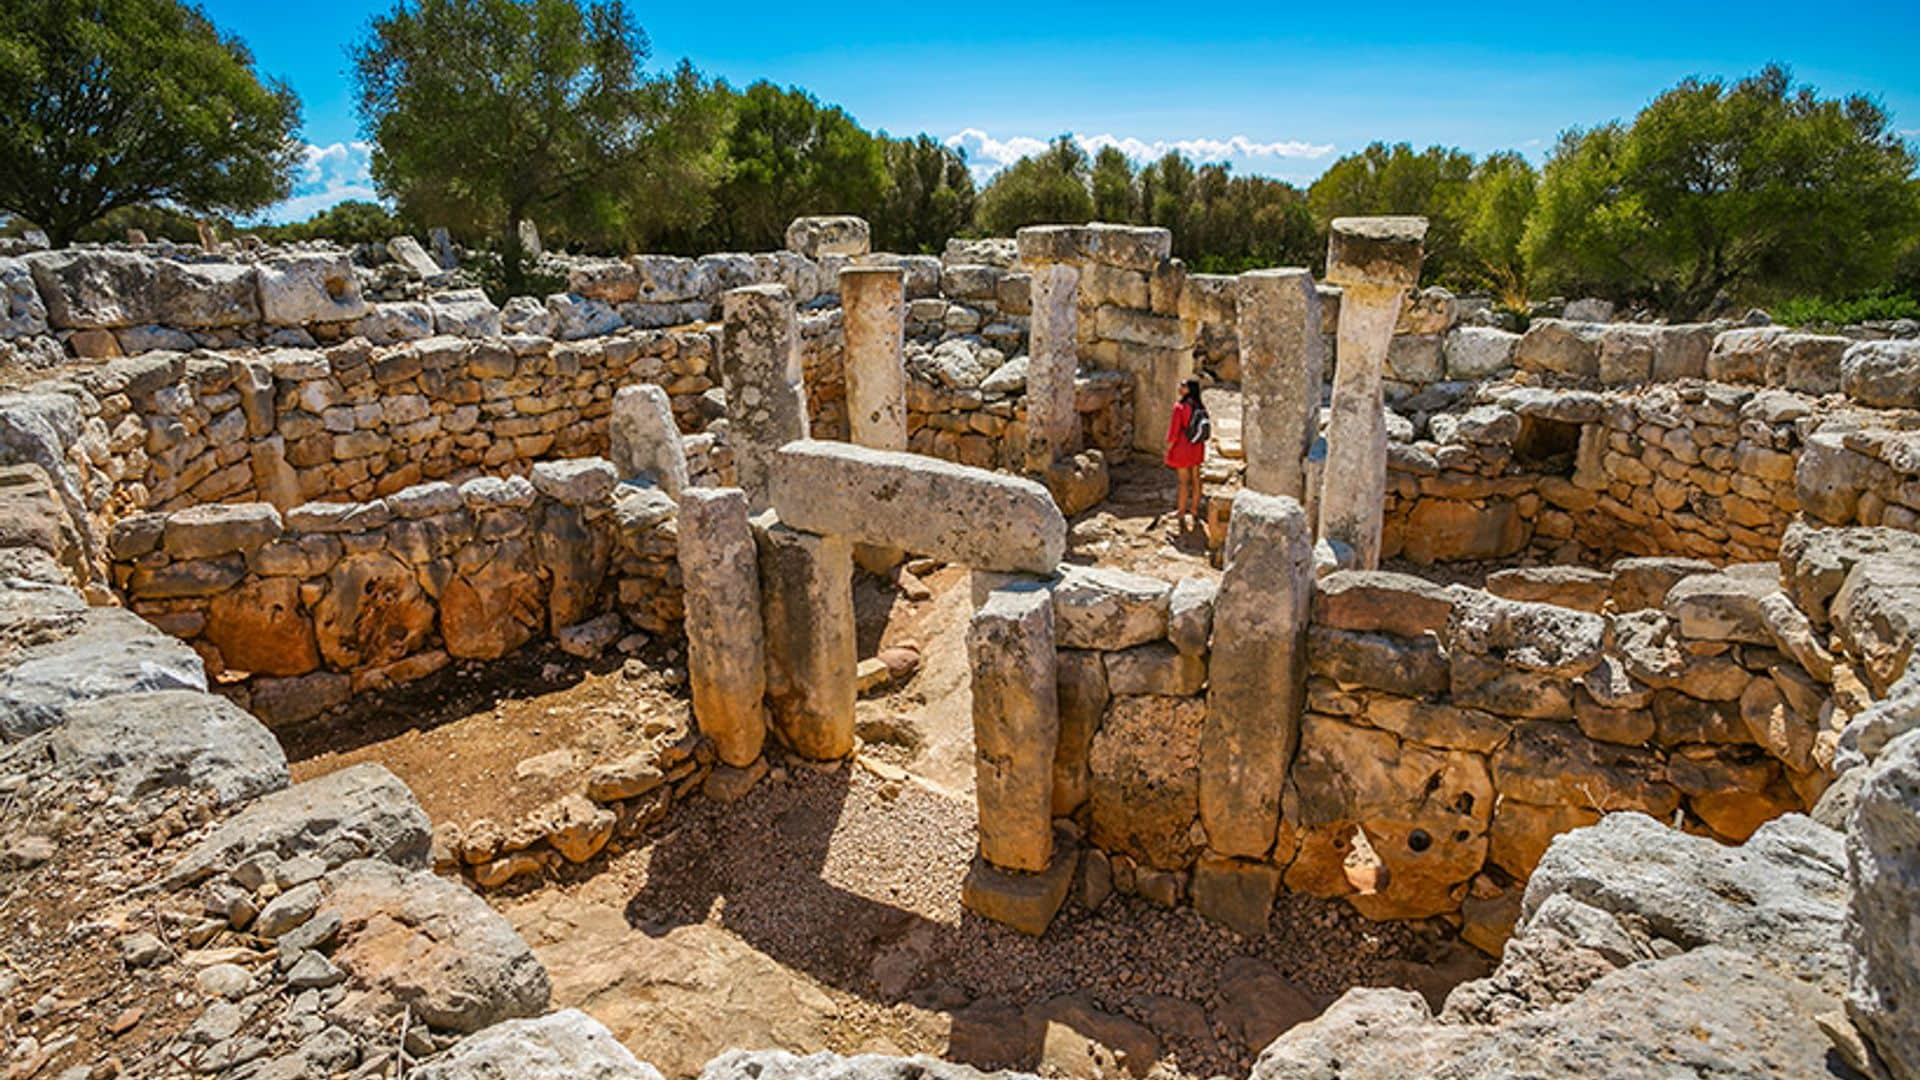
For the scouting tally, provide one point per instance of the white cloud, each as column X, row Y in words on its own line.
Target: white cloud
column 327, row 176
column 987, row 155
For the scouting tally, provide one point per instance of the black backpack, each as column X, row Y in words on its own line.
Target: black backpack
column 1199, row 425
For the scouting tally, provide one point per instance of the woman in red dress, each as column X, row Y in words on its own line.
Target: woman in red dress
column 1185, row 452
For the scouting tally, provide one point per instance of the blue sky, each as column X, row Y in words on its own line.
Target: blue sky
column 1279, row 90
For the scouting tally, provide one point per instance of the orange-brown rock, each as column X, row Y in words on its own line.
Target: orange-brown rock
column 374, row 613
column 488, row 612
column 260, row 628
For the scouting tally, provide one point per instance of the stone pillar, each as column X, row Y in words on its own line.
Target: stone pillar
column 874, row 307
column 1277, row 317
column 1016, row 724
column 1052, row 363
column 760, row 370
column 726, row 645
column 646, row 439
column 806, row 597
column 1257, row 673
column 1374, row 260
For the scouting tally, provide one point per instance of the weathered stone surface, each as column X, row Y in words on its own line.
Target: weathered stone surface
column 1883, row 980
column 1256, row 674
column 205, row 532
column 1382, row 251
column 1883, row 374
column 1478, row 352
column 1437, row 724
column 1146, row 763
column 1016, row 724
column 565, row 1045
column 1378, row 600
column 1026, row 902
column 1566, row 586
column 1640, row 583
column 806, row 596
column 1452, row 530
column 1543, row 638
column 574, row 546
column 146, row 742
column 781, row 1065
column 433, row 944
column 1190, row 614
column 1725, row 605
column 1407, row 666
column 493, row 609
column 362, row 811
column 1097, row 607
column 374, row 613
column 1814, row 562
column 1560, row 347
column 1779, row 897
column 1551, row 764
column 261, row 628
column 1051, row 419
column 1080, row 677
column 831, row 234
column 1425, row 813
column 645, row 440
column 102, row 653
column 309, row 287
column 984, row 520
column 1281, row 357
column 1876, row 615
column 1155, row 668
column 873, row 299
column 726, row 642
column 1236, row 893
column 760, row 371
column 86, row 289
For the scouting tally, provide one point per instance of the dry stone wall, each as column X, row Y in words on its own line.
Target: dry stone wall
column 293, row 614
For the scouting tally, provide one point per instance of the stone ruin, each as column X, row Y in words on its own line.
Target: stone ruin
column 1660, row 761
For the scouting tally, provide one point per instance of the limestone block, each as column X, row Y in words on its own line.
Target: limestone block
column 1256, row 673
column 1626, row 353
column 1530, row 636
column 873, row 300
column 1409, row 666
column 494, row 608
column 571, row 317
column 1478, row 352
column 1876, row 615
column 1080, row 677
column 22, row 312
column 1640, row 583
column 362, row 811
column 558, row 1046
column 392, row 324
column 262, row 628
column 1424, row 813
column 309, row 287
column 1382, row 251
column 645, row 439
column 1190, row 614
column 86, row 288
column 1883, row 980
column 1096, row 607
column 669, row 279
column 1552, row 764
column 1016, row 724
column 1724, row 605
column 838, row 234
column 464, row 313
column 608, row 281
column 1026, row 902
column 760, row 370
column 806, row 597
column 1380, row 600
column 101, row 653
column 957, row 513
column 726, row 643
column 1882, row 374
column 1156, row 668
column 1451, row 530
column 1427, row 312
column 1567, row 586
column 1560, row 347
column 203, row 532
column 1052, row 421
column 205, row 295
column 1415, row 359
column 1236, row 893
column 1775, row 356
column 407, row 251
column 1282, row 359
column 1146, row 779
column 373, row 614
column 142, row 743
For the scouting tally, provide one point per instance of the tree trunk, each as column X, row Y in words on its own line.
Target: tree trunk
column 511, row 256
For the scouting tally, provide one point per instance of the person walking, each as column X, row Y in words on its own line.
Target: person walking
column 1187, row 436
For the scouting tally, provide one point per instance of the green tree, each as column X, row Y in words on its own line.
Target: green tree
column 787, row 155
column 1164, row 191
column 1384, row 179
column 929, row 196
column 1048, row 188
column 355, row 221
column 114, row 103
column 1494, row 211
column 1113, row 195
column 670, row 183
column 1750, row 191
column 486, row 113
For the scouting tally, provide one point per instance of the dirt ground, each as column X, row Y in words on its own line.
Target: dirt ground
column 822, row 910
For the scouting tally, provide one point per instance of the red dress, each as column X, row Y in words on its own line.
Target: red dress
column 1183, row 453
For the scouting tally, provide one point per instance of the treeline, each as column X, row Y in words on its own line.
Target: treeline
column 487, row 113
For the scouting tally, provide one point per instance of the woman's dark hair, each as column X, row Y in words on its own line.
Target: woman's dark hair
column 1190, row 391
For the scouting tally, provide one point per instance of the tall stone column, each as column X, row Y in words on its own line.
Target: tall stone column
column 760, row 371
column 874, row 307
column 1052, row 363
column 806, row 596
column 1016, row 724
column 726, row 645
column 1257, row 673
column 1277, row 317
column 1374, row 260
column 645, row 439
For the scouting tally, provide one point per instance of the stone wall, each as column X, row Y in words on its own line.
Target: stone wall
column 1450, row 733
column 293, row 614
